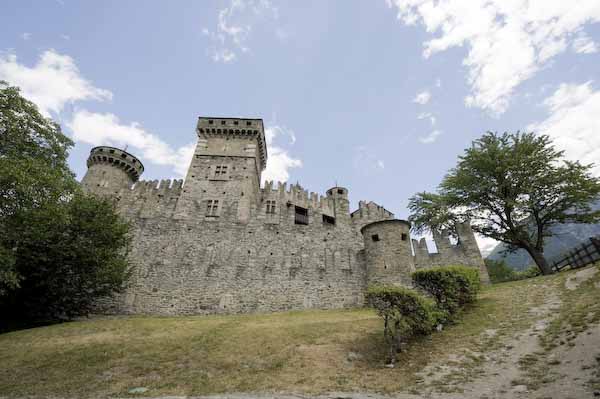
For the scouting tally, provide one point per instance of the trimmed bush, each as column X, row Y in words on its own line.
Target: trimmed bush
column 530, row 272
column 500, row 272
column 452, row 287
column 405, row 312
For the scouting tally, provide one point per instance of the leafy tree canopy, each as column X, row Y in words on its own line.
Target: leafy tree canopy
column 512, row 187
column 60, row 249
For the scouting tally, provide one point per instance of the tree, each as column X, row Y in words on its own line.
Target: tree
column 512, row 187
column 76, row 254
column 33, row 173
column 499, row 271
column 59, row 249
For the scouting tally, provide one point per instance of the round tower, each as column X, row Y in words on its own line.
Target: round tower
column 388, row 252
column 110, row 170
column 341, row 205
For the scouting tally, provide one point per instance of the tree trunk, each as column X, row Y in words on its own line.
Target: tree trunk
column 540, row 260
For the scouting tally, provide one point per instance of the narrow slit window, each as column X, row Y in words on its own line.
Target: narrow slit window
column 271, row 207
column 212, row 208
column 404, row 236
column 220, row 171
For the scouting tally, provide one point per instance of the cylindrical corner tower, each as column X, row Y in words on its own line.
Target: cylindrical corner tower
column 341, row 203
column 110, row 170
column 388, row 253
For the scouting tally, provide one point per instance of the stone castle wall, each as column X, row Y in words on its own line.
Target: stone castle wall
column 219, row 264
column 263, row 249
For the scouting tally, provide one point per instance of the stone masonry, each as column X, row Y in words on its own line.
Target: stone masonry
column 222, row 244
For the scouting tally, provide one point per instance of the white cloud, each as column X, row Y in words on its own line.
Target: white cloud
column 107, row 129
column 25, row 35
column 366, row 161
column 486, row 245
column 583, row 44
column 422, row 97
column 431, row 137
column 234, row 27
column 427, row 115
column 573, row 123
column 52, row 83
column 279, row 160
column 65, row 37
column 508, row 41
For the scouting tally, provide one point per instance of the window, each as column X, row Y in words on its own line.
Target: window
column 340, row 191
column 210, row 122
column 375, row 237
column 301, row 216
column 330, row 220
column 222, row 122
column 271, row 207
column 220, row 171
column 403, row 237
column 235, row 122
column 212, row 208
column 248, row 123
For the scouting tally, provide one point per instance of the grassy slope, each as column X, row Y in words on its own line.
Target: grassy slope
column 292, row 352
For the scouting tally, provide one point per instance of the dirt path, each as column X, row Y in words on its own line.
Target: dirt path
column 499, row 373
column 562, row 373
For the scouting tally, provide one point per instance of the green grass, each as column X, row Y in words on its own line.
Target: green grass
column 285, row 352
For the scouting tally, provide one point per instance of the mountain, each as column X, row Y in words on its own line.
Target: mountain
column 564, row 238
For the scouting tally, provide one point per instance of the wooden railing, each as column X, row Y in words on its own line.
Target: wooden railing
column 580, row 256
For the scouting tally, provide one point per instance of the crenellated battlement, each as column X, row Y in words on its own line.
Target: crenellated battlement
column 297, row 195
column 219, row 243
column 117, row 158
column 151, row 198
column 369, row 212
column 241, row 128
column 154, row 186
column 459, row 250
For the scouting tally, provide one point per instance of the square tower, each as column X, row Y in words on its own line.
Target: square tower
column 223, row 180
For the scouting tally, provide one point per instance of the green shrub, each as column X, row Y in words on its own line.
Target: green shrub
column 499, row 271
column 452, row 287
column 405, row 312
column 531, row 271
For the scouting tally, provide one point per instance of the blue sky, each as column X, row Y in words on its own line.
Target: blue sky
column 378, row 96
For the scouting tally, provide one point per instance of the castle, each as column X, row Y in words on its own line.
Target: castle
column 222, row 244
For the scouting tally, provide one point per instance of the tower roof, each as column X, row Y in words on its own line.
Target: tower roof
column 118, row 158
column 241, row 127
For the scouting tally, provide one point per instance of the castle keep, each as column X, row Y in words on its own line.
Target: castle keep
column 222, row 244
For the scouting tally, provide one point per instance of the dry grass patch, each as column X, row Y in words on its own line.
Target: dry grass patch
column 309, row 351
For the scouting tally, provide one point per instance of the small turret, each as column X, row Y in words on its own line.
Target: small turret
column 110, row 170
column 341, row 205
column 388, row 252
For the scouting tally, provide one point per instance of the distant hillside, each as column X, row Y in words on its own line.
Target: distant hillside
column 565, row 237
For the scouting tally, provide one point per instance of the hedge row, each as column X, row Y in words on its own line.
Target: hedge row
column 452, row 287
column 441, row 294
